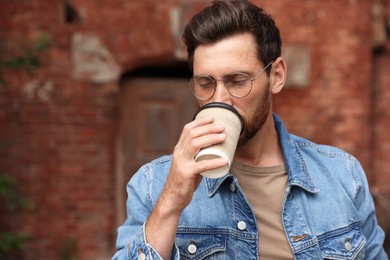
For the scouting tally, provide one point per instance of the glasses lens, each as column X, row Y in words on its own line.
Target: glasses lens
column 238, row 84
column 202, row 87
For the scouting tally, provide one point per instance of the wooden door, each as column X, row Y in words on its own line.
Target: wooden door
column 153, row 112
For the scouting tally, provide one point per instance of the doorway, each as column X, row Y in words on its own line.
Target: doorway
column 154, row 105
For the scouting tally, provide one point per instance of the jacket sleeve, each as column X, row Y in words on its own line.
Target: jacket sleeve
column 366, row 208
column 131, row 240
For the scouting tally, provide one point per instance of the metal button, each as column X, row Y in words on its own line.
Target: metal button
column 141, row 256
column 241, row 225
column 192, row 249
column 348, row 245
column 232, row 187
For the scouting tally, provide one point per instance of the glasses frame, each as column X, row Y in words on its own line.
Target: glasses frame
column 214, row 81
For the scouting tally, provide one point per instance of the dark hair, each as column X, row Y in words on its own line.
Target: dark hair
column 226, row 18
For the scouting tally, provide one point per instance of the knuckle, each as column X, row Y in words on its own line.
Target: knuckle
column 193, row 143
column 187, row 128
column 192, row 135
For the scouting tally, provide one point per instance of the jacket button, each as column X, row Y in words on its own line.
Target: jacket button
column 241, row 225
column 141, row 256
column 192, row 249
column 348, row 245
column 232, row 187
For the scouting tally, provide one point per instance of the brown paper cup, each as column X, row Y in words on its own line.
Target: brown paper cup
column 227, row 116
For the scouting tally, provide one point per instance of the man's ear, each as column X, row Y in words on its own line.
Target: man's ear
column 278, row 75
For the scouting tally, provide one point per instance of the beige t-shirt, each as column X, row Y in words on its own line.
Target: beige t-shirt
column 265, row 189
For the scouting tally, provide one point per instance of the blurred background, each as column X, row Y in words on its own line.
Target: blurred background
column 92, row 89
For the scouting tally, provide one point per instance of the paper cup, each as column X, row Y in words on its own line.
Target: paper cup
column 227, row 116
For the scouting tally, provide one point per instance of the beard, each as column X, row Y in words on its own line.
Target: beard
column 253, row 125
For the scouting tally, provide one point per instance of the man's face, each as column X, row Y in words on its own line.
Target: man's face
column 236, row 54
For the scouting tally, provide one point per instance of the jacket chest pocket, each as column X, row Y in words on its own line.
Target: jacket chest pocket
column 344, row 243
column 193, row 245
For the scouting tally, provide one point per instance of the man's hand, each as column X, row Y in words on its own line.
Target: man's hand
column 183, row 179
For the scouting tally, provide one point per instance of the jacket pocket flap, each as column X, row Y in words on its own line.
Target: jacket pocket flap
column 198, row 245
column 342, row 243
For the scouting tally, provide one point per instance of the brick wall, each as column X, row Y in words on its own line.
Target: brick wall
column 58, row 123
column 334, row 106
column 381, row 137
column 56, row 139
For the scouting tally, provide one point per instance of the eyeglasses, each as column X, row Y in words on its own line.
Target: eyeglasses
column 237, row 84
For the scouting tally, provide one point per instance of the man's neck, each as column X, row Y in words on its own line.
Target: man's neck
column 263, row 149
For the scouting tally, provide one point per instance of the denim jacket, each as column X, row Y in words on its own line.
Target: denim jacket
column 328, row 212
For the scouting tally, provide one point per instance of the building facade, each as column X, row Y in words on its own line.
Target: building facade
column 92, row 89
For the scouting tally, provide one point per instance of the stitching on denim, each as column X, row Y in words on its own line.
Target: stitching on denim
column 342, row 231
column 339, row 231
column 304, row 245
column 333, row 154
column 356, row 177
column 149, row 177
column 129, row 250
column 147, row 171
column 309, row 186
column 300, row 142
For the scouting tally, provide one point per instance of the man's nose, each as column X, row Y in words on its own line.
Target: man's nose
column 222, row 94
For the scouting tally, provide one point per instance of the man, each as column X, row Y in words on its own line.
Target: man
column 284, row 198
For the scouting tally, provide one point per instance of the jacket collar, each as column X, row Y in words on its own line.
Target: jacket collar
column 298, row 174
